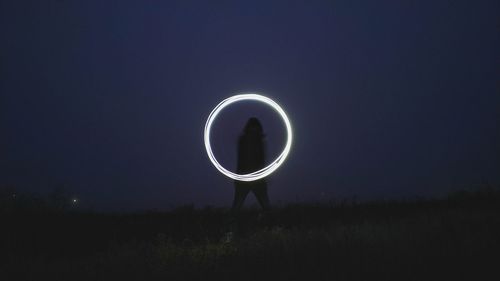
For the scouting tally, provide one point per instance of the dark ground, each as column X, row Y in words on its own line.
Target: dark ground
column 456, row 238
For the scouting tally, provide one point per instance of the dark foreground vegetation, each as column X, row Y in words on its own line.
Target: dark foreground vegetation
column 457, row 238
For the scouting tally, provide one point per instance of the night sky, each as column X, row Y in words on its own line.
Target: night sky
column 387, row 99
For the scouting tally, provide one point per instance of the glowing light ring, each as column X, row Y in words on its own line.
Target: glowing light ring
column 264, row 171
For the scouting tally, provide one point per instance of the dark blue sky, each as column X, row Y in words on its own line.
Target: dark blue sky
column 387, row 98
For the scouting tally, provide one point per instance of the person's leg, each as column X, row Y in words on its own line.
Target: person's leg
column 260, row 192
column 240, row 193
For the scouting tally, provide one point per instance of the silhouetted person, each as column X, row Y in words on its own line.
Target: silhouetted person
column 251, row 157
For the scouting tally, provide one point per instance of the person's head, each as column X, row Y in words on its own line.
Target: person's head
column 253, row 127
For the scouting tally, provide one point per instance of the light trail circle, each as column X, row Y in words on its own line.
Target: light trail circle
column 264, row 171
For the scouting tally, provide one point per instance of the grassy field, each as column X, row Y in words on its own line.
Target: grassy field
column 457, row 238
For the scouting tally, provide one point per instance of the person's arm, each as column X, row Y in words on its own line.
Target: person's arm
column 263, row 154
column 239, row 154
